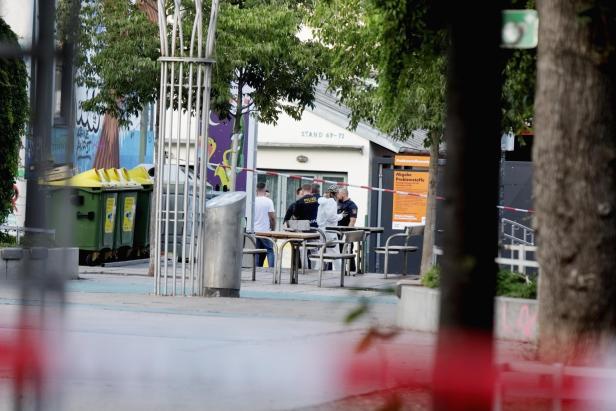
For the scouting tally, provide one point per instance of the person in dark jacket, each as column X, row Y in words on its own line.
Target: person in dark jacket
column 306, row 207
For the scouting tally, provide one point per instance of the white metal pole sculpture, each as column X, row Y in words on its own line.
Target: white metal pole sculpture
column 185, row 84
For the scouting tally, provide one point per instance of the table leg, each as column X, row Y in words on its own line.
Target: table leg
column 360, row 260
column 292, row 279
column 278, row 265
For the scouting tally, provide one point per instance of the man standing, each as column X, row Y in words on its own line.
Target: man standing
column 349, row 209
column 265, row 220
column 347, row 206
column 307, row 206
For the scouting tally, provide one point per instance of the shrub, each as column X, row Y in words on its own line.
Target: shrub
column 508, row 283
column 13, row 116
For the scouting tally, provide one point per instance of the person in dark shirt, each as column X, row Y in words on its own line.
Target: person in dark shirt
column 306, row 207
column 349, row 208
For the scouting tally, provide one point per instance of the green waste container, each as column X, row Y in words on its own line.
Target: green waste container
column 91, row 207
column 141, row 239
column 126, row 208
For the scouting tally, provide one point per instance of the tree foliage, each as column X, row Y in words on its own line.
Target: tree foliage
column 256, row 47
column 392, row 84
column 118, row 52
column 14, row 114
column 259, row 51
column 389, row 62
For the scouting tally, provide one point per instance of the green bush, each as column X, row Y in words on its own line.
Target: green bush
column 431, row 279
column 7, row 240
column 508, row 283
column 13, row 117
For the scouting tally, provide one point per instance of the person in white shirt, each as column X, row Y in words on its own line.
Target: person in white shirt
column 265, row 220
column 327, row 215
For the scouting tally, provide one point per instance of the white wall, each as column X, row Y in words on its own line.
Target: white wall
column 18, row 15
column 337, row 150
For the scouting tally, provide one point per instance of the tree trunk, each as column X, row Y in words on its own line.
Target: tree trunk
column 108, row 151
column 468, row 279
column 430, row 229
column 143, row 133
column 575, row 182
column 237, row 128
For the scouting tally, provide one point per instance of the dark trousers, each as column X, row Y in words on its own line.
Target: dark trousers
column 270, row 253
column 352, row 266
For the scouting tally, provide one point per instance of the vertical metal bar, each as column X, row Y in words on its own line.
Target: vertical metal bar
column 379, row 219
column 170, row 113
column 198, row 141
column 159, row 170
column 557, row 379
column 187, row 159
column 186, row 192
column 209, row 49
column 198, row 177
column 177, row 176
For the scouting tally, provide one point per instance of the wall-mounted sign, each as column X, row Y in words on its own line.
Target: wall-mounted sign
column 329, row 135
column 409, row 210
column 412, row 161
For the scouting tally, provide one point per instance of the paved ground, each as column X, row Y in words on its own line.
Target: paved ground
column 279, row 347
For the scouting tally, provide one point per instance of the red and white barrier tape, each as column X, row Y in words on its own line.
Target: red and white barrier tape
column 343, row 184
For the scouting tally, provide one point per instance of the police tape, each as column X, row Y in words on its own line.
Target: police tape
column 212, row 167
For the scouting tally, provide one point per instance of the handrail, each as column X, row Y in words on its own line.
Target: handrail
column 528, row 234
column 19, row 229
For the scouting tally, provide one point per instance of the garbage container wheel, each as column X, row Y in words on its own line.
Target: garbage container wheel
column 124, row 253
column 91, row 258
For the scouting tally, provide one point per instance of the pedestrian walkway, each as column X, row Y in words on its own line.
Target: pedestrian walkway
column 278, row 347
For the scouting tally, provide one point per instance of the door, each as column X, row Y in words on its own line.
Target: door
column 283, row 190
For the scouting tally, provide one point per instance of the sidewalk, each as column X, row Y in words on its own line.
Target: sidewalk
column 278, row 347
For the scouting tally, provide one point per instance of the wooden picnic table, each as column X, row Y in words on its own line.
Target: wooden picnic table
column 294, row 238
column 361, row 249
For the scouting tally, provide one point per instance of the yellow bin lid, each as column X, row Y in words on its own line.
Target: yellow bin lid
column 87, row 179
column 140, row 175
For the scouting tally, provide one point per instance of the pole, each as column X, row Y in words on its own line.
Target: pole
column 468, row 279
column 39, row 150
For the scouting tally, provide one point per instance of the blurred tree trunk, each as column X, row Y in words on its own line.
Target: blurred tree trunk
column 468, row 279
column 430, row 229
column 575, row 177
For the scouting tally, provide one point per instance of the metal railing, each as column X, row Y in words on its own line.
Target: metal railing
column 511, row 383
column 20, row 231
column 518, row 257
column 517, row 233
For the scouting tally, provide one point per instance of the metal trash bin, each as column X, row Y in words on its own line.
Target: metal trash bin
column 224, row 216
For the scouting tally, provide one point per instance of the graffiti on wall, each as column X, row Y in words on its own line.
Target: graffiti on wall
column 219, row 152
column 87, row 135
column 518, row 321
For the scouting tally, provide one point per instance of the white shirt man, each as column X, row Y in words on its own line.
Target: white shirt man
column 265, row 220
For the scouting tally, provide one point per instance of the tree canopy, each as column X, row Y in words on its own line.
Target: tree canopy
column 389, row 60
column 257, row 49
column 14, row 114
column 117, row 56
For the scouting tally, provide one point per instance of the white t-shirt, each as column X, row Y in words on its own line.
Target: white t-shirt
column 263, row 206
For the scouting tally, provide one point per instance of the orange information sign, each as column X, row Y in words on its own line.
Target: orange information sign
column 409, row 210
column 412, row 161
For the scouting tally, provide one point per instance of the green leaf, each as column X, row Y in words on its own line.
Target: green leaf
column 357, row 313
